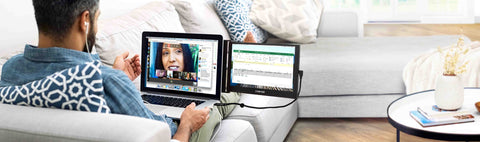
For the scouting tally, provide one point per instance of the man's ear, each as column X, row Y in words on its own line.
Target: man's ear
column 84, row 21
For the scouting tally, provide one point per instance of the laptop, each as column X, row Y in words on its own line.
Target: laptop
column 180, row 68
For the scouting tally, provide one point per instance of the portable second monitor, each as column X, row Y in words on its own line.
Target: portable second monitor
column 263, row 69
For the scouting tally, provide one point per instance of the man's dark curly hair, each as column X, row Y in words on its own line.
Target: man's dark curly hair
column 56, row 17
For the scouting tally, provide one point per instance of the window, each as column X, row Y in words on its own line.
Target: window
column 422, row 11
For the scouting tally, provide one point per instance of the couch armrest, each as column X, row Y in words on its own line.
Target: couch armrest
column 340, row 23
column 20, row 123
column 234, row 130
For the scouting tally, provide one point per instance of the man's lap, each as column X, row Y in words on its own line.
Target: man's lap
column 217, row 114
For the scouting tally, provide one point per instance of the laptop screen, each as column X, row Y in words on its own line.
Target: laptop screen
column 182, row 64
column 264, row 69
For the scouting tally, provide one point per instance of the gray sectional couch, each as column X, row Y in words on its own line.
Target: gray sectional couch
column 42, row 124
column 345, row 75
column 358, row 77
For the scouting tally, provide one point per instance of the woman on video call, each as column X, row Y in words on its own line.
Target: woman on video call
column 174, row 57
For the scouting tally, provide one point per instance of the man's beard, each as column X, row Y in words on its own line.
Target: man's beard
column 90, row 40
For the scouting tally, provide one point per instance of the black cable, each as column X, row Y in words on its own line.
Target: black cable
column 300, row 74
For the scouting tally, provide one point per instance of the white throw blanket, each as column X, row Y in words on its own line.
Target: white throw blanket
column 422, row 72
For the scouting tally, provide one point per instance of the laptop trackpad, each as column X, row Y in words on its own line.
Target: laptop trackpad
column 173, row 112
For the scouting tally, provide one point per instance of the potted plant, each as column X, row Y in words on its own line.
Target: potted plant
column 449, row 88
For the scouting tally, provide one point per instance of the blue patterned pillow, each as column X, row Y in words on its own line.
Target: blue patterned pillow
column 234, row 14
column 77, row 88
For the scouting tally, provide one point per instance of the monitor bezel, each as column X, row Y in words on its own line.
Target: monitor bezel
column 144, row 76
column 273, row 93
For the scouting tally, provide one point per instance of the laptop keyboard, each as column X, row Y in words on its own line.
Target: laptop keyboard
column 170, row 101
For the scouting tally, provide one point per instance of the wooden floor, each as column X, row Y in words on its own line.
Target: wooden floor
column 373, row 129
column 375, row 30
column 348, row 130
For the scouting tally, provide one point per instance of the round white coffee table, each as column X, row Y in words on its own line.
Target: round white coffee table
column 399, row 116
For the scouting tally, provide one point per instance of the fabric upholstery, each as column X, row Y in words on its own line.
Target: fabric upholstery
column 51, row 125
column 267, row 122
column 423, row 72
column 234, row 14
column 340, row 23
column 78, row 88
column 199, row 16
column 234, row 130
column 345, row 106
column 286, row 124
column 368, row 65
column 292, row 20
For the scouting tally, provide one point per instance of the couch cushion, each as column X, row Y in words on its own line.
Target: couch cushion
column 345, row 106
column 21, row 123
column 77, row 88
column 234, row 130
column 234, row 14
column 199, row 16
column 269, row 124
column 292, row 20
column 356, row 66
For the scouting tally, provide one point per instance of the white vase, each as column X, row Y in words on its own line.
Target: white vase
column 449, row 92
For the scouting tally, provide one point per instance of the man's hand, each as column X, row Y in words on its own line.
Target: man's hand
column 190, row 121
column 249, row 38
column 130, row 66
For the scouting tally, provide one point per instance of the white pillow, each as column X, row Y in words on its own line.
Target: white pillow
column 199, row 16
column 292, row 20
column 124, row 33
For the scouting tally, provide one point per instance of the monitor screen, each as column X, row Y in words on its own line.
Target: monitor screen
column 182, row 64
column 264, row 69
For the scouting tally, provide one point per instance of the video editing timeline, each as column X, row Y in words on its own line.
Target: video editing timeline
column 263, row 67
column 182, row 64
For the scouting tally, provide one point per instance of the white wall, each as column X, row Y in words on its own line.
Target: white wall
column 18, row 26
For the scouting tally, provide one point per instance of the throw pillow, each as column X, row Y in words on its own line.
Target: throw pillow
column 124, row 33
column 292, row 20
column 78, row 88
column 234, row 14
column 199, row 16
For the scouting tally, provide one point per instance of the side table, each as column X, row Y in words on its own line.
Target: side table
column 399, row 117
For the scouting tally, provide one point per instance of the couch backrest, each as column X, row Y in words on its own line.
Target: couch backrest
column 19, row 27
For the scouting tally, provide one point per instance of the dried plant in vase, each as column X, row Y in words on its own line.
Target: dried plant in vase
column 452, row 56
column 449, row 88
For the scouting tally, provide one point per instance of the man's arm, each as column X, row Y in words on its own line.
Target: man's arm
column 190, row 121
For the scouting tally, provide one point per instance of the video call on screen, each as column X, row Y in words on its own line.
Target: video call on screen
column 182, row 64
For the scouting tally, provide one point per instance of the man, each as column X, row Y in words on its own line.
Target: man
column 67, row 31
